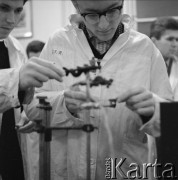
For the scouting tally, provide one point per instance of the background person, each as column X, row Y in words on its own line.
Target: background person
column 34, row 48
column 164, row 34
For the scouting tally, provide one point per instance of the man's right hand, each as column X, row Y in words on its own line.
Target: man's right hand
column 74, row 99
column 36, row 71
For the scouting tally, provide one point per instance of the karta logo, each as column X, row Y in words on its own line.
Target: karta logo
column 115, row 168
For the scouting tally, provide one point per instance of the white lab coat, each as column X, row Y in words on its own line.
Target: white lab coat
column 132, row 61
column 173, row 78
column 9, row 85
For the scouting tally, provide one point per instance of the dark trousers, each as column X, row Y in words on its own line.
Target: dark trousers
column 11, row 165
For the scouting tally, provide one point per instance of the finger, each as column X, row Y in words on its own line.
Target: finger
column 75, row 95
column 129, row 93
column 29, row 127
column 48, row 69
column 74, row 102
column 40, row 77
column 34, row 83
column 140, row 98
column 47, row 72
column 143, row 104
column 49, row 64
column 75, row 88
column 147, row 111
column 73, row 107
column 31, row 82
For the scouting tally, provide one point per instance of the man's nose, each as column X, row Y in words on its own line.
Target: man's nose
column 11, row 17
column 103, row 24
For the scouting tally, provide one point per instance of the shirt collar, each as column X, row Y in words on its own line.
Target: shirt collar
column 90, row 35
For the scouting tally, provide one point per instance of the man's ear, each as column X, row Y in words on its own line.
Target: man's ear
column 75, row 18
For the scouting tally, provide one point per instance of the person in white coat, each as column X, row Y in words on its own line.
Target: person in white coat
column 164, row 34
column 17, row 81
column 140, row 82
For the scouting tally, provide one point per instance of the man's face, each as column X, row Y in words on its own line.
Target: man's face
column 104, row 29
column 168, row 43
column 10, row 11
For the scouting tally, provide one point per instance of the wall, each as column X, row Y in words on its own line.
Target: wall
column 148, row 10
column 47, row 16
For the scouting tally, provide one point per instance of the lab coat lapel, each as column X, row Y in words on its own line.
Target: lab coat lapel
column 16, row 57
column 84, row 45
column 117, row 46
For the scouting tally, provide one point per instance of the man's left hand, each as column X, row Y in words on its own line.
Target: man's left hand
column 139, row 100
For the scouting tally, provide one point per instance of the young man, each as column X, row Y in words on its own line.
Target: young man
column 16, row 87
column 140, row 81
column 164, row 34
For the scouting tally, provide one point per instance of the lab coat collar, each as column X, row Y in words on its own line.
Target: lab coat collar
column 11, row 41
column 75, row 19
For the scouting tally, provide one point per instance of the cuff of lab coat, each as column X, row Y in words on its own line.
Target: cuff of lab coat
column 152, row 127
column 71, row 116
column 13, row 88
column 60, row 115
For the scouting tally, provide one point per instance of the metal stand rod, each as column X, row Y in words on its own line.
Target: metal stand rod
column 88, row 156
column 44, row 146
column 88, row 139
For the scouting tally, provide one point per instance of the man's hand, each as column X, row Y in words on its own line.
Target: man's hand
column 36, row 71
column 73, row 100
column 139, row 100
column 25, row 125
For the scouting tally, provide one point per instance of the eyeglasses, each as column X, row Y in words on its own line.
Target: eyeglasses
column 111, row 14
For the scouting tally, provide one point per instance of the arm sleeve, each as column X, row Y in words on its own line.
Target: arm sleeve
column 9, row 78
column 9, row 82
column 161, row 89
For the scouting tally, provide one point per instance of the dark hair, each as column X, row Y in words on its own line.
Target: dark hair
column 77, row 7
column 34, row 46
column 24, row 1
column 160, row 25
column 75, row 4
